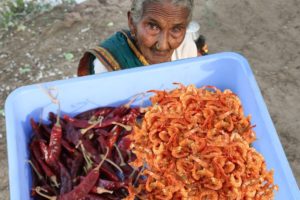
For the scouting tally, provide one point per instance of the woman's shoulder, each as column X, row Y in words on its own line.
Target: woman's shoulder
column 119, row 38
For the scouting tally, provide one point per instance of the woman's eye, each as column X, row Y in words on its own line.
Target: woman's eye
column 177, row 30
column 153, row 26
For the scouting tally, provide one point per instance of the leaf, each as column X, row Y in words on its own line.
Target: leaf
column 25, row 69
column 85, row 30
column 21, row 27
column 68, row 56
column 110, row 24
column 2, row 112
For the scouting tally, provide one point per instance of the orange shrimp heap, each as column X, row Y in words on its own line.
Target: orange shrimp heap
column 196, row 143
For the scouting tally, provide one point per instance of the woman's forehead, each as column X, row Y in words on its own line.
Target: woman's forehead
column 166, row 12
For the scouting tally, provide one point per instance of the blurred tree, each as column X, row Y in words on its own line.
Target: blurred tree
column 14, row 12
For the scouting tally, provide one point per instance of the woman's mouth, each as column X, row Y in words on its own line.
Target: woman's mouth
column 161, row 53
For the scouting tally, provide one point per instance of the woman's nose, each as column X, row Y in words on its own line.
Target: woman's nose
column 163, row 42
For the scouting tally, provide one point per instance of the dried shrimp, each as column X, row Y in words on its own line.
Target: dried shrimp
column 196, row 143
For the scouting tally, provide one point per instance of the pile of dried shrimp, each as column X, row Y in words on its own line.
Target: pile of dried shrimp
column 196, row 144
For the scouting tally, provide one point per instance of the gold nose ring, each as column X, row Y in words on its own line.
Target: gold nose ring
column 157, row 46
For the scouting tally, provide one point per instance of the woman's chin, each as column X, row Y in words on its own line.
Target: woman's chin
column 158, row 59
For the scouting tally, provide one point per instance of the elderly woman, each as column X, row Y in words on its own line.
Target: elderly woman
column 156, row 29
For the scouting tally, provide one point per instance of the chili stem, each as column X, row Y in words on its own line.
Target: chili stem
column 88, row 160
column 35, row 170
column 58, row 114
column 53, row 100
column 133, row 99
column 103, row 159
column 129, row 155
column 112, row 163
column 120, row 155
column 99, row 121
column 139, row 174
column 54, row 180
column 40, row 191
column 133, row 172
column 47, row 92
column 101, row 190
column 126, row 127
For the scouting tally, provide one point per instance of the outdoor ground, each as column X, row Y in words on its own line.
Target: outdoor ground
column 265, row 32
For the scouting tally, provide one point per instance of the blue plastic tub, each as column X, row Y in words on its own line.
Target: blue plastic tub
column 224, row 70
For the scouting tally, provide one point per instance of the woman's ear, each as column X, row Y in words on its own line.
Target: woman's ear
column 131, row 24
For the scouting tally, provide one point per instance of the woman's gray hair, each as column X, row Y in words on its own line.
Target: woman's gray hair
column 138, row 7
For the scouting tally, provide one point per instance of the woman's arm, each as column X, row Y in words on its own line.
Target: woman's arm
column 99, row 67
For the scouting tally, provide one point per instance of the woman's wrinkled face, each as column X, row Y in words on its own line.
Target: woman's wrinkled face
column 162, row 25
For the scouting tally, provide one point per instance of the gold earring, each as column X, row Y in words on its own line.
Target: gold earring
column 132, row 35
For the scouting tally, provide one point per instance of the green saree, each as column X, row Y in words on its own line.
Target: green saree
column 116, row 53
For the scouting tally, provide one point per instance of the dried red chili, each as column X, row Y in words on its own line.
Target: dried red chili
column 85, row 185
column 76, row 164
column 65, row 179
column 55, row 143
column 38, row 156
column 87, row 115
column 81, row 140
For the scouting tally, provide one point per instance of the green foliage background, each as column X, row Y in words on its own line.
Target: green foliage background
column 15, row 12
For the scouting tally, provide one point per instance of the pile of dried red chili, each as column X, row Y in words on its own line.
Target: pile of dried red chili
column 85, row 156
